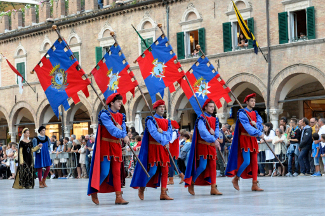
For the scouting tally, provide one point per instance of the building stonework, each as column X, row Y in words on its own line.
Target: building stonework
column 293, row 64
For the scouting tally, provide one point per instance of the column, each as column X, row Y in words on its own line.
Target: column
column 138, row 123
column 67, row 129
column 13, row 136
column 274, row 117
column 223, row 117
column 94, row 127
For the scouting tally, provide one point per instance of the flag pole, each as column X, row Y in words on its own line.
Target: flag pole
column 189, row 84
column 170, row 155
column 54, row 27
column 198, row 47
column 23, row 78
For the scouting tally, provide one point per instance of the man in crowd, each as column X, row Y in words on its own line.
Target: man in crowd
column 89, row 144
column 222, row 140
column 321, row 130
column 294, row 136
column 305, row 145
column 53, row 142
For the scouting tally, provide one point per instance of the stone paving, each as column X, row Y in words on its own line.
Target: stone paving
column 282, row 196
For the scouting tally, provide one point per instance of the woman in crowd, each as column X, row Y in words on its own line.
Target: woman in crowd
column 278, row 142
column 268, row 136
column 25, row 171
column 11, row 157
column 60, row 150
column 82, row 160
column 242, row 41
column 75, row 148
column 283, row 130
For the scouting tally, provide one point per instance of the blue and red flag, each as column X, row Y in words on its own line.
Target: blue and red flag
column 112, row 74
column 159, row 69
column 206, row 83
column 61, row 77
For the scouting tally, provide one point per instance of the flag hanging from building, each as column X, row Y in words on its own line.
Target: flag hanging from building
column 112, row 74
column 19, row 76
column 244, row 28
column 206, row 83
column 159, row 69
column 61, row 76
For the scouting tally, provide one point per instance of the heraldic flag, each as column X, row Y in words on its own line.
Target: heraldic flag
column 158, row 68
column 111, row 74
column 206, row 83
column 61, row 76
column 243, row 26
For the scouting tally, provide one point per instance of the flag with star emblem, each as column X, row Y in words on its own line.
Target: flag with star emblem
column 206, row 83
column 113, row 75
column 159, row 67
column 61, row 76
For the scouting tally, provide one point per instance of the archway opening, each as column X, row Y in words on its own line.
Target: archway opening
column 23, row 118
column 184, row 113
column 4, row 139
column 51, row 122
column 80, row 120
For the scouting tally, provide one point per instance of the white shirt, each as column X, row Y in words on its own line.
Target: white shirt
column 268, row 154
column 321, row 131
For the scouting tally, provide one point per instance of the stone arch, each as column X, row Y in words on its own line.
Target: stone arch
column 18, row 49
column 74, row 35
column 144, row 20
column 83, row 101
column 5, row 113
column 189, row 10
column 46, row 41
column 246, row 2
column 105, row 28
column 135, row 101
column 290, row 77
column 178, row 101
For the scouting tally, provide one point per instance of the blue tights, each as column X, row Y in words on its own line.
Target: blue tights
column 246, row 162
column 202, row 165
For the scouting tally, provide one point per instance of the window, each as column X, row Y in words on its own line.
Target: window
column 148, row 41
column 231, row 36
column 76, row 54
column 187, row 41
column 21, row 69
column 298, row 25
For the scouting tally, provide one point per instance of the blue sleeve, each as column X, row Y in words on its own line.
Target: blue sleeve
column 34, row 142
column 259, row 122
column 186, row 147
column 216, row 131
column 112, row 129
column 205, row 134
column 163, row 138
column 251, row 130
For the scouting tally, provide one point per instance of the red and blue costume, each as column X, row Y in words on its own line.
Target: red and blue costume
column 242, row 161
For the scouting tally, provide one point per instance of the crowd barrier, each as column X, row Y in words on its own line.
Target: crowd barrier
column 64, row 160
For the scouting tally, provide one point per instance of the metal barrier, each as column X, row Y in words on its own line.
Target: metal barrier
column 71, row 158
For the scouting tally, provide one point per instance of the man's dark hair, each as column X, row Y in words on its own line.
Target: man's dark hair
column 294, row 120
column 138, row 138
column 284, row 119
column 186, row 135
column 305, row 120
column 83, row 137
column 135, row 134
column 315, row 136
column 220, row 125
column 67, row 139
column 53, row 136
column 316, row 119
column 117, row 97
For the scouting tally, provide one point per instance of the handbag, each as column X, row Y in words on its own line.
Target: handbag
column 8, row 163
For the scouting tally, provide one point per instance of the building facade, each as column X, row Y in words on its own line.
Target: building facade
column 296, row 81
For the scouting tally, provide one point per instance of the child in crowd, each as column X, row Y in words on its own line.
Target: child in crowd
column 315, row 154
column 132, row 143
column 322, row 148
column 138, row 143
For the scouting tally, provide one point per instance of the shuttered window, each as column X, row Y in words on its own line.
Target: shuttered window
column 149, row 41
column 180, row 45
column 250, row 24
column 311, row 33
column 283, row 27
column 76, row 55
column 227, row 40
column 21, row 69
column 202, row 39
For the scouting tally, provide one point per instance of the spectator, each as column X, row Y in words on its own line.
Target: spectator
column 284, row 122
column 4, row 163
column 321, row 125
column 82, row 160
column 53, row 142
column 100, row 4
column 3, row 168
column 138, row 143
column 142, row 135
column 294, row 136
column 283, row 130
column 322, row 149
column 314, row 124
column 92, row 139
column 11, row 152
column 195, row 53
column 222, row 141
column 69, row 145
column 185, row 152
column 304, row 147
column 88, row 147
column 278, row 142
column 316, row 154
column 132, row 143
column 75, row 149
column 63, row 161
column 242, row 41
column 269, row 134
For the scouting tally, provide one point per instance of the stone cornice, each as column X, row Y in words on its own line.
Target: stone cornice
column 286, row 2
column 228, row 13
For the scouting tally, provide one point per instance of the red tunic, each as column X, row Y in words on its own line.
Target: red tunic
column 245, row 140
column 157, row 154
column 109, row 145
column 174, row 148
column 203, row 148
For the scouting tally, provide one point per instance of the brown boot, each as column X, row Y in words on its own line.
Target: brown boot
column 163, row 194
column 255, row 186
column 94, row 198
column 43, row 180
column 119, row 199
column 214, row 190
column 235, row 182
column 41, row 185
column 191, row 189
column 182, row 178
column 141, row 193
column 170, row 181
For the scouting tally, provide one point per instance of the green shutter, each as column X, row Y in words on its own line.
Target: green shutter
column 99, row 54
column 311, row 33
column 283, row 28
column 202, row 39
column 227, row 40
column 76, row 55
column 250, row 24
column 21, row 69
column 180, row 46
column 148, row 41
